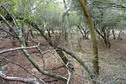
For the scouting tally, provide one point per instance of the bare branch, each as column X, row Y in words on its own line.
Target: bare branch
column 25, row 70
column 19, row 79
column 69, row 73
column 18, row 48
column 69, row 76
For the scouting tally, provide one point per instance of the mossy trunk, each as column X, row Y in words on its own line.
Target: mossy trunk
column 83, row 4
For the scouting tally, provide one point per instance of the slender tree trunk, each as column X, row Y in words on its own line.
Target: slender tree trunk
column 113, row 33
column 120, row 34
column 106, row 38
column 83, row 4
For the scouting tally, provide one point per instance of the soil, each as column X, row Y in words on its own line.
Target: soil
column 112, row 62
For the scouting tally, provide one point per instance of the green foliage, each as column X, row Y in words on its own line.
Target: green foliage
column 107, row 13
column 104, row 12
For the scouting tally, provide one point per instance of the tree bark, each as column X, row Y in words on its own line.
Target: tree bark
column 93, row 35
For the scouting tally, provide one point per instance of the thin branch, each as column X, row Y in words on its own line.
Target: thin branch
column 18, row 48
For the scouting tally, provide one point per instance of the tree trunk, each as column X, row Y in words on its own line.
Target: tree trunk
column 106, row 38
column 120, row 34
column 113, row 33
column 93, row 35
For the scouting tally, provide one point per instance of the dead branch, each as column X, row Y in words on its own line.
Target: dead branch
column 19, row 79
column 18, row 48
column 25, row 70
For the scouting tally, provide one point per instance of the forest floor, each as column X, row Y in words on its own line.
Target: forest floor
column 112, row 63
